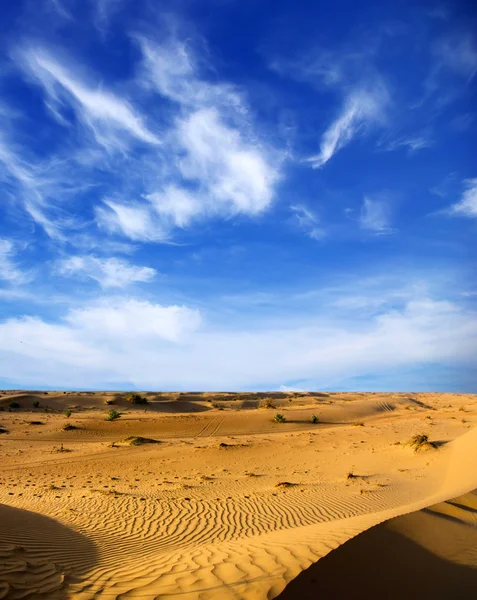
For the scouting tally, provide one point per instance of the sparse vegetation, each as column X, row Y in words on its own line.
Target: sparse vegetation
column 69, row 427
column 13, row 404
column 36, row 403
column 285, row 484
column 267, row 403
column 36, row 423
column 315, row 419
column 109, row 401
column 135, row 398
column 139, row 441
column 3, row 430
column 113, row 415
column 351, row 475
column 279, row 418
column 421, row 442
column 358, row 424
column 68, row 413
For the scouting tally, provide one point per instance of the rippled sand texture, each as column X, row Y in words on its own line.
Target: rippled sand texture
column 228, row 503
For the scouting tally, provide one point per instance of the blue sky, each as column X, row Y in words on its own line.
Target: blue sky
column 238, row 195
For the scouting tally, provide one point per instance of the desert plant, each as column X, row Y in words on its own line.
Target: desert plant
column 315, row 419
column 279, row 418
column 36, row 403
column 69, row 427
column 421, row 442
column 109, row 401
column 13, row 404
column 113, row 415
column 267, row 403
column 68, row 413
column 135, row 398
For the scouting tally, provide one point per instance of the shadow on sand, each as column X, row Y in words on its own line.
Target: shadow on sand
column 39, row 557
column 382, row 563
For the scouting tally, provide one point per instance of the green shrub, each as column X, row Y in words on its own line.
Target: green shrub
column 279, row 418
column 13, row 404
column 113, row 415
column 136, row 398
column 68, row 413
column 36, row 403
column 315, row 419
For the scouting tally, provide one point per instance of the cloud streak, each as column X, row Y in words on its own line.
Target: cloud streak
column 108, row 272
column 99, row 109
column 9, row 271
column 467, row 205
column 362, row 109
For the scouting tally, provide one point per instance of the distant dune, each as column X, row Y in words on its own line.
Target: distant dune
column 194, row 495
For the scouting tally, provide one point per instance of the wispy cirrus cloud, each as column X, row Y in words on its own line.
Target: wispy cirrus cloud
column 413, row 143
column 41, row 186
column 362, row 109
column 467, row 205
column 108, row 272
column 9, row 270
column 375, row 216
column 307, row 221
column 216, row 165
column 104, row 113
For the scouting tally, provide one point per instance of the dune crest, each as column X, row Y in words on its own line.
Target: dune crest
column 229, row 504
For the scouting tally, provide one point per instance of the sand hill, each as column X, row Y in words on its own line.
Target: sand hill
column 208, row 496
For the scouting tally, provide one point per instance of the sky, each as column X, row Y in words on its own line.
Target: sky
column 238, row 195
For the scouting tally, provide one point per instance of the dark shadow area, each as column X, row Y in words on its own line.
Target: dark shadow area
column 39, row 557
column 381, row 563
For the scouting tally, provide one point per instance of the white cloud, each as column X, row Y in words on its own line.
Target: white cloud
column 131, row 319
column 103, row 112
column 216, row 165
column 361, row 110
column 9, row 271
column 235, row 172
column 467, row 206
column 166, row 347
column 375, row 216
column 104, row 11
column 135, row 221
column 108, row 272
column 458, row 54
column 40, row 187
column 307, row 221
column 413, row 143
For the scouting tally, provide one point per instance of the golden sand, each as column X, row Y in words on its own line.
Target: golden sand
column 228, row 503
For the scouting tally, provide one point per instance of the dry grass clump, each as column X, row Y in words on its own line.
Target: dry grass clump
column 109, row 401
column 279, row 418
column 285, row 484
column 68, row 427
column 134, row 440
column 315, row 419
column 421, row 442
column 267, row 403
column 135, row 398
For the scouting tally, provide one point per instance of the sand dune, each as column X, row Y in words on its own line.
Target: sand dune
column 229, row 504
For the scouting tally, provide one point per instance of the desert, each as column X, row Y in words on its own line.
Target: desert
column 211, row 496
